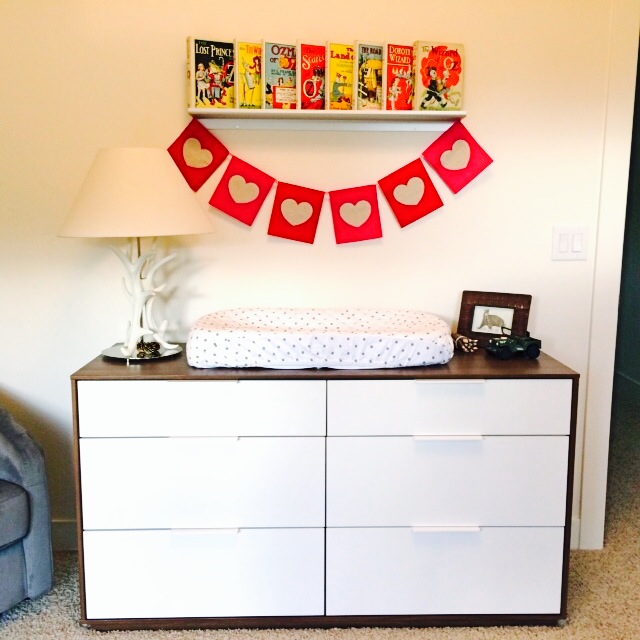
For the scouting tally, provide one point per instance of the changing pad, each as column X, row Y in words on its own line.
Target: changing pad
column 318, row 338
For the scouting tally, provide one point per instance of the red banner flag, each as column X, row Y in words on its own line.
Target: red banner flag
column 197, row 153
column 457, row 157
column 355, row 214
column 241, row 191
column 295, row 213
column 410, row 193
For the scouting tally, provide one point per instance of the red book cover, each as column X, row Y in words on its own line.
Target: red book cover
column 439, row 71
column 311, row 66
column 398, row 77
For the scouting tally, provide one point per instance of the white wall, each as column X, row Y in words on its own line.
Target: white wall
column 549, row 94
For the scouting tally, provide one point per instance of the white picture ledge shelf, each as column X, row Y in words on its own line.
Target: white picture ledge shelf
column 307, row 120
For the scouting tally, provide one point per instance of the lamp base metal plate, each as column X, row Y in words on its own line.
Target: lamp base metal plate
column 116, row 352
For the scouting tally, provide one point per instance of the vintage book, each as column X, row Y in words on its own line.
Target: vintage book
column 279, row 67
column 398, row 77
column 311, row 69
column 249, row 75
column 210, row 73
column 368, row 75
column 439, row 70
column 339, row 76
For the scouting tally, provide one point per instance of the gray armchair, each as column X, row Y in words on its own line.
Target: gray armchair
column 26, row 565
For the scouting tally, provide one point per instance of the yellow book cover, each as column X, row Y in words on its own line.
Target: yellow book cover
column 249, row 74
column 368, row 73
column 339, row 76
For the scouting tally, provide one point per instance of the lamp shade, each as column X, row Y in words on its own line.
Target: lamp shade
column 134, row 192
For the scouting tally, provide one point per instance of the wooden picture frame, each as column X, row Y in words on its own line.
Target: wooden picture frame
column 485, row 315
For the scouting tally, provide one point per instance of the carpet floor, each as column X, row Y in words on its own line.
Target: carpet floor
column 604, row 586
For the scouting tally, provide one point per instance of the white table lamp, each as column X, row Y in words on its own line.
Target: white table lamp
column 134, row 193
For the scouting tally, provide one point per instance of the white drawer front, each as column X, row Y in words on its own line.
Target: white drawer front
column 167, row 574
column 136, row 483
column 403, row 572
column 115, row 408
column 414, row 407
column 406, row 481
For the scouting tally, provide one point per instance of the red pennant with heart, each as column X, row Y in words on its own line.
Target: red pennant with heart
column 197, row 153
column 241, row 191
column 457, row 157
column 355, row 214
column 295, row 213
column 410, row 193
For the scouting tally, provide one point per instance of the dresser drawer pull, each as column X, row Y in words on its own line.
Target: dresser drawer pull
column 466, row 529
column 192, row 532
column 452, row 381
column 471, row 437
column 209, row 438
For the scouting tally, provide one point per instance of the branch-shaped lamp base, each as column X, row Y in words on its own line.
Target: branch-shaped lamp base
column 144, row 339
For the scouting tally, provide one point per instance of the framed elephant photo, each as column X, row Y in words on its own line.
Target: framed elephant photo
column 485, row 315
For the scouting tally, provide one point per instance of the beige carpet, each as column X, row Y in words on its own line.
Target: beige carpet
column 604, row 589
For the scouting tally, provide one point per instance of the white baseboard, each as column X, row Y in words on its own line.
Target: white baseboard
column 63, row 535
column 575, row 533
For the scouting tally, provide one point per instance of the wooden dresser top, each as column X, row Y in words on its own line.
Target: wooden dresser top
column 479, row 365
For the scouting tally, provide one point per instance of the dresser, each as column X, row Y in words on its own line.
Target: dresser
column 324, row 498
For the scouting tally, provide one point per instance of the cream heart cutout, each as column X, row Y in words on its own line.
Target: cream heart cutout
column 194, row 155
column 296, row 213
column 242, row 191
column 355, row 214
column 410, row 193
column 457, row 157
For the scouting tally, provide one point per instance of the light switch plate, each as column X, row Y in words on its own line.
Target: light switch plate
column 569, row 242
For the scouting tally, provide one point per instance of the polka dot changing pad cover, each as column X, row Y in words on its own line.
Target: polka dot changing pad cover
column 318, row 338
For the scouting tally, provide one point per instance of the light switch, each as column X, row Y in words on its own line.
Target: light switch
column 569, row 243
column 563, row 243
column 577, row 243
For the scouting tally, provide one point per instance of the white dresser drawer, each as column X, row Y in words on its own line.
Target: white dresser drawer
column 415, row 407
column 403, row 572
column 407, row 481
column 115, row 408
column 175, row 574
column 143, row 483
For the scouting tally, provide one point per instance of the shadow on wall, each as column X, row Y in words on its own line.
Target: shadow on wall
column 43, row 430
